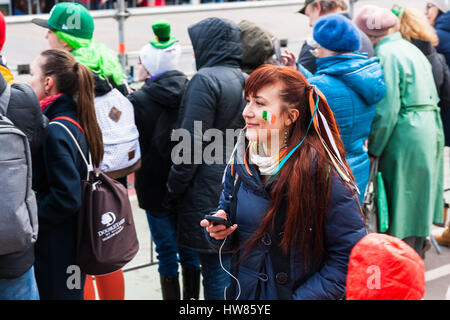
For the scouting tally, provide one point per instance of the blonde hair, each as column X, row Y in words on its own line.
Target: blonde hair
column 414, row 25
column 377, row 39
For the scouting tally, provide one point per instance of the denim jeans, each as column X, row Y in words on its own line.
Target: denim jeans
column 164, row 234
column 215, row 279
column 21, row 288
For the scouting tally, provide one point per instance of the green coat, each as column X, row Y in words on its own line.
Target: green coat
column 407, row 135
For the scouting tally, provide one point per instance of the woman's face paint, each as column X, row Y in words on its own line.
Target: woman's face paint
column 268, row 116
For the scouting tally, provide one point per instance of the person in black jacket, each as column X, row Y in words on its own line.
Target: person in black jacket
column 156, row 107
column 314, row 9
column 65, row 89
column 213, row 100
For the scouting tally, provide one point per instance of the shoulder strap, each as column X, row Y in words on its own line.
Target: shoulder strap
column 88, row 164
column 372, row 183
column 4, row 100
column 71, row 121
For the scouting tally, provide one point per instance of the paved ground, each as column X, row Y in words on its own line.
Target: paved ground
column 143, row 284
column 25, row 41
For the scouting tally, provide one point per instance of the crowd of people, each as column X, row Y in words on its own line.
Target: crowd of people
column 305, row 132
column 22, row 7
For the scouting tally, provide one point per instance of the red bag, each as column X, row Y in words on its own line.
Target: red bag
column 382, row 267
column 106, row 235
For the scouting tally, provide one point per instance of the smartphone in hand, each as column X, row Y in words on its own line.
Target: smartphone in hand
column 215, row 220
column 277, row 49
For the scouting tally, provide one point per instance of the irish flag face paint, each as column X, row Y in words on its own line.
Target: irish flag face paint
column 268, row 116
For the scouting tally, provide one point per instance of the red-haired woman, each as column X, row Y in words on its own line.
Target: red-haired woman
column 289, row 194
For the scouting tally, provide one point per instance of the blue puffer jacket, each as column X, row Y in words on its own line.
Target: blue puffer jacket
column 442, row 26
column 352, row 84
column 259, row 272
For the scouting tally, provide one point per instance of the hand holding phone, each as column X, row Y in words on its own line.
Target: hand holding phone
column 217, row 225
column 277, row 49
column 216, row 220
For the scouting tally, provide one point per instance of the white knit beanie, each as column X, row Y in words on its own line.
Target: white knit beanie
column 443, row 5
column 156, row 61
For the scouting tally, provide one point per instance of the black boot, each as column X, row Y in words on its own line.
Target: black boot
column 191, row 284
column 170, row 287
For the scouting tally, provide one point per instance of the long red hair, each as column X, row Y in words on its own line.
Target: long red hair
column 303, row 186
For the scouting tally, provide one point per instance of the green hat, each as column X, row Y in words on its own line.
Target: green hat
column 161, row 29
column 398, row 11
column 71, row 18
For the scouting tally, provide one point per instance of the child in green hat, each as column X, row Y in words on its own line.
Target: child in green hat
column 159, row 55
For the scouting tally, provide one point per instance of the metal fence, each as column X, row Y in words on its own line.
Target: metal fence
column 34, row 6
column 153, row 259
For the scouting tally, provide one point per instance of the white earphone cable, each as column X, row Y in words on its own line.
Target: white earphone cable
column 229, row 273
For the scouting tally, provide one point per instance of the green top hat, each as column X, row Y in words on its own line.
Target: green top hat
column 161, row 29
column 71, row 18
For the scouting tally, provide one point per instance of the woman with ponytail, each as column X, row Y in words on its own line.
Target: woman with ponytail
column 289, row 194
column 115, row 113
column 65, row 89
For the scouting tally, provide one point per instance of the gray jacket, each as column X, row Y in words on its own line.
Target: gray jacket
column 25, row 112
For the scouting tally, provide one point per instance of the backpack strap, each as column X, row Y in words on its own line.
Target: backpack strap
column 4, row 100
column 71, row 121
column 88, row 164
